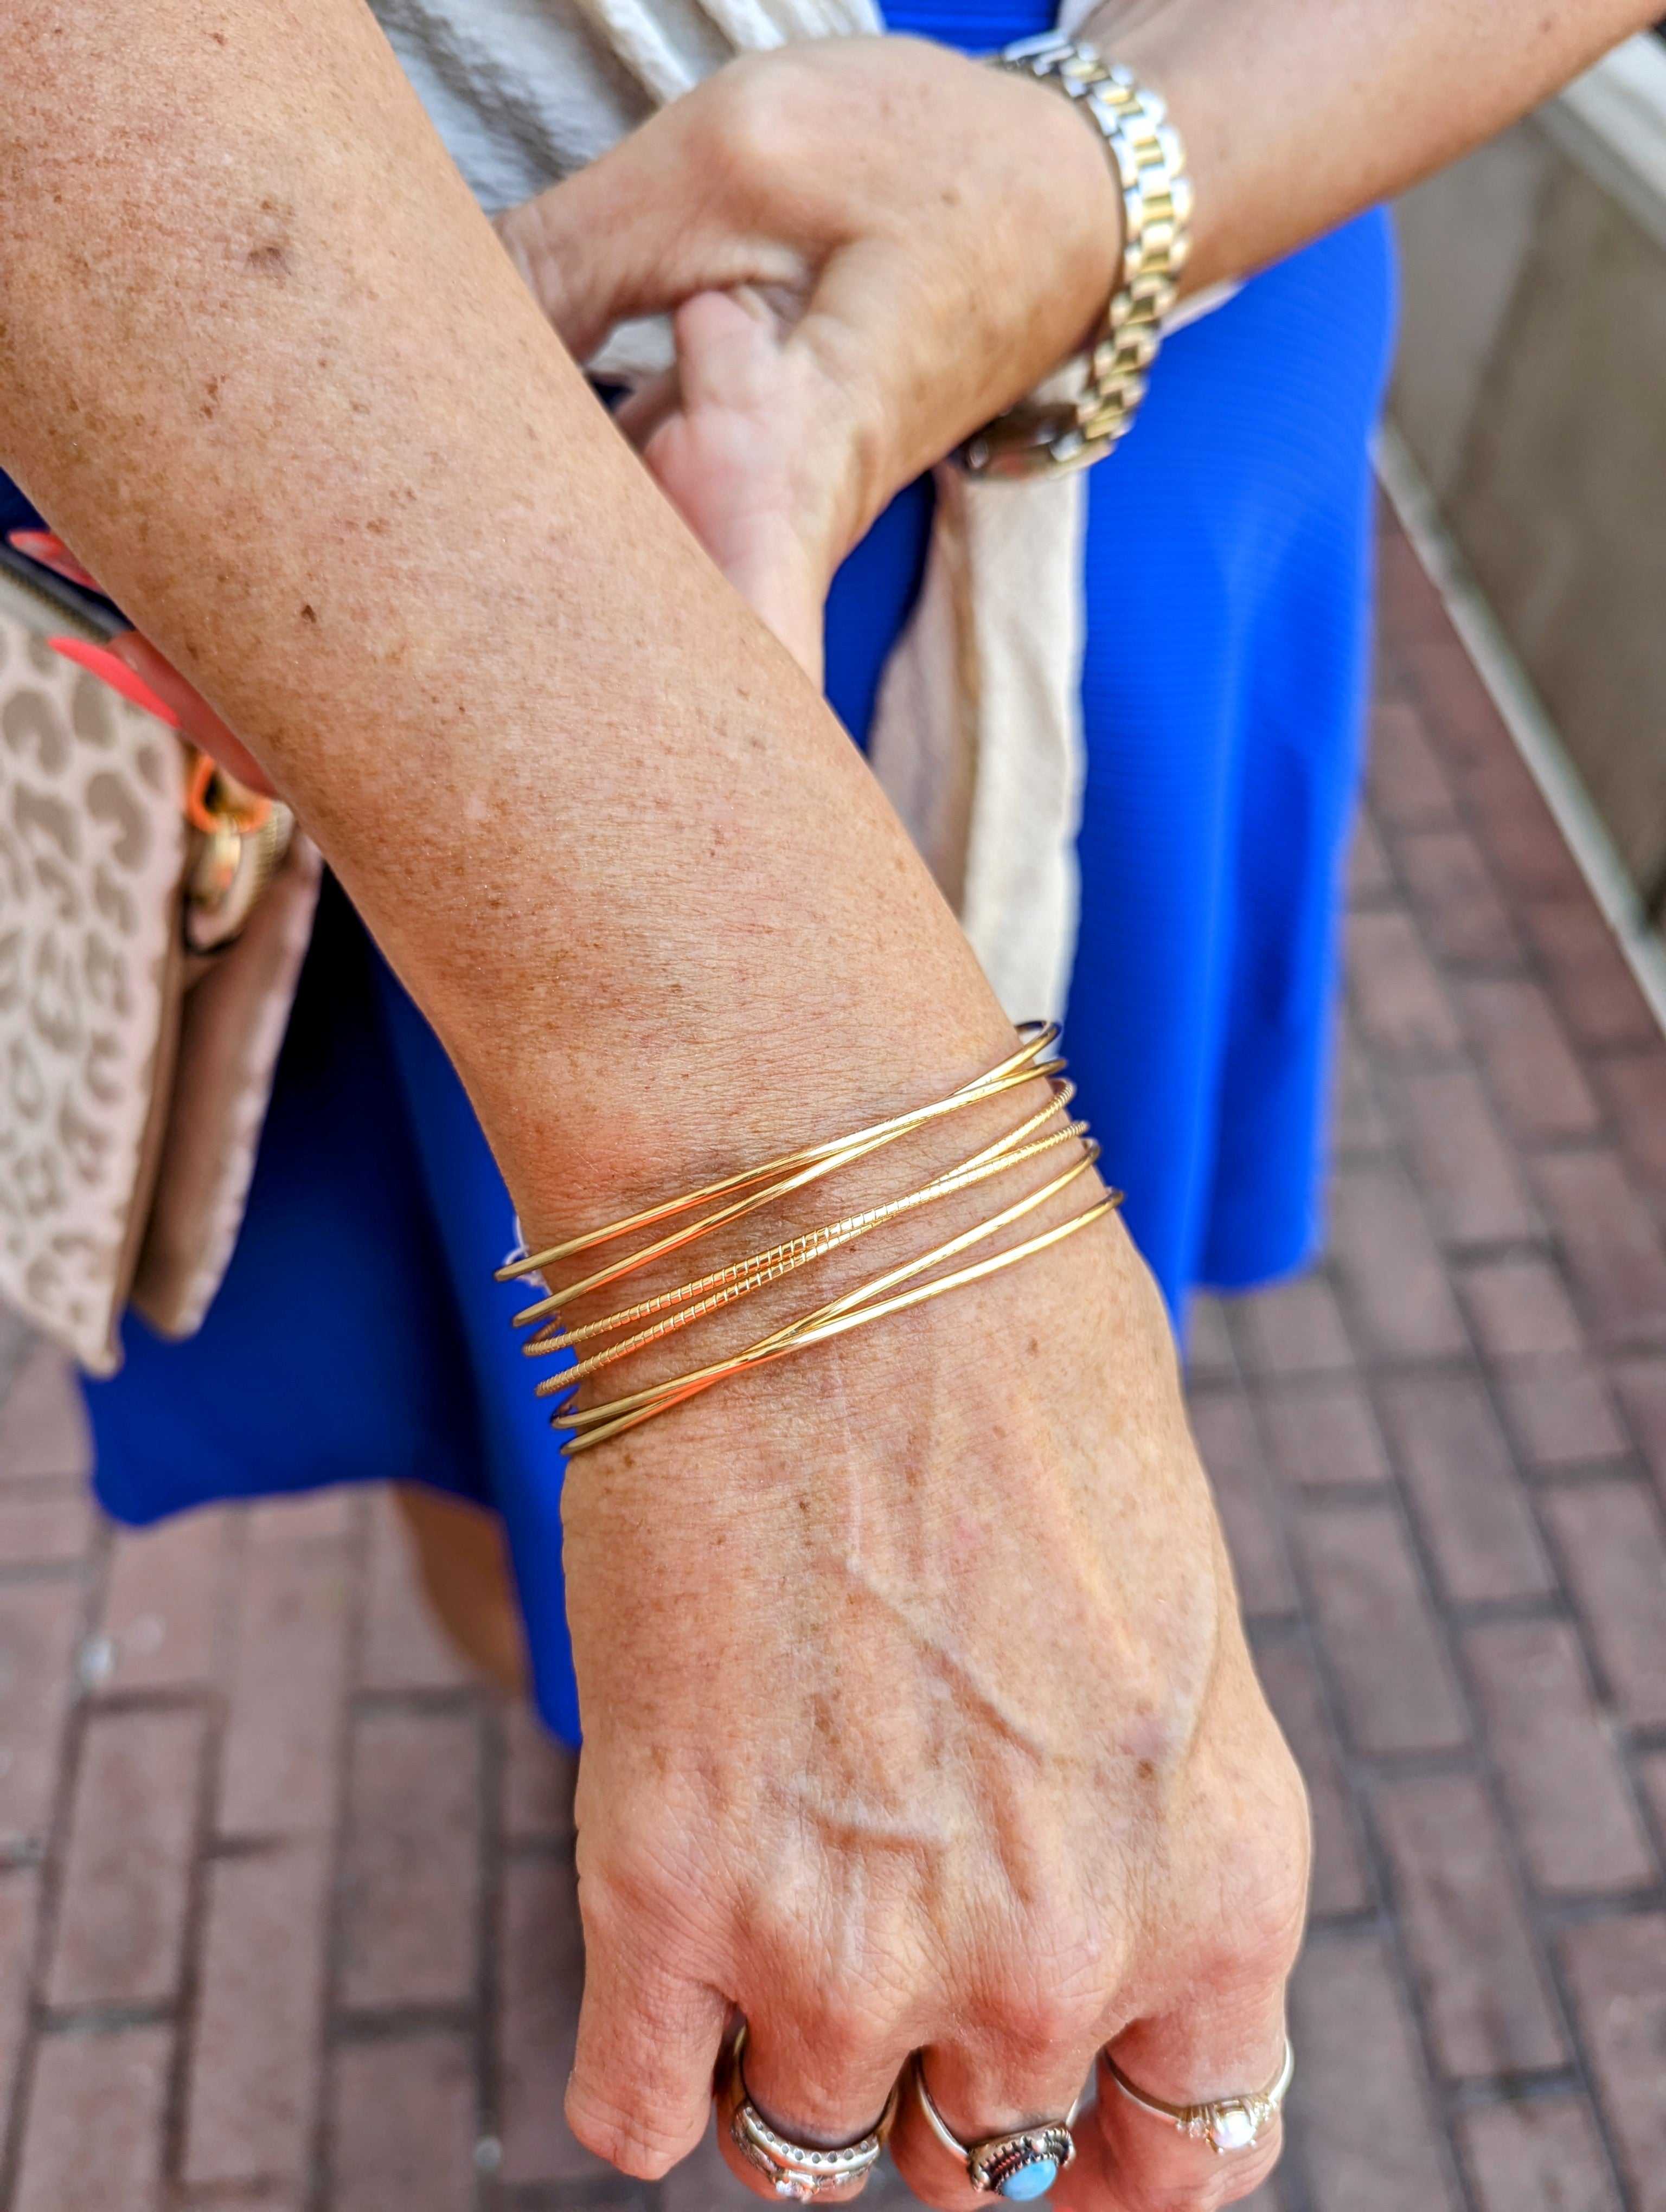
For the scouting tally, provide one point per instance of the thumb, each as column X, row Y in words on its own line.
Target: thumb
column 636, row 233
column 751, row 460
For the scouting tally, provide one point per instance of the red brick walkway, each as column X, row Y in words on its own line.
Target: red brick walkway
column 286, row 1902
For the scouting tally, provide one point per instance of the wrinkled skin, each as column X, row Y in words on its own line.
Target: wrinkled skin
column 917, row 1712
column 966, row 1755
column 918, row 1715
column 973, row 1760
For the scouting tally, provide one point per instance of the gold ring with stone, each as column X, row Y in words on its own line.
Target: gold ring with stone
column 1227, row 2123
column 803, row 2173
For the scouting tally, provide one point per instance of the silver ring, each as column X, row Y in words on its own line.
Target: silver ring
column 1228, row 2124
column 800, row 2171
column 1020, row 2166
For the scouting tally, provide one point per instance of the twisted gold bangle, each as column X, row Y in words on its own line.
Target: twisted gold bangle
column 767, row 1267
column 595, row 1424
column 812, row 1242
column 1002, row 1152
column 1023, row 1066
column 668, row 1311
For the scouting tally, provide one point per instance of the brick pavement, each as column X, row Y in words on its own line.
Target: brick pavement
column 286, row 1901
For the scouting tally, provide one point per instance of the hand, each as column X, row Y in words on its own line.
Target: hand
column 918, row 1715
column 872, row 246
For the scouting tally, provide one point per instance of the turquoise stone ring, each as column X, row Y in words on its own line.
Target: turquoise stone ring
column 1020, row 2166
column 1033, row 2180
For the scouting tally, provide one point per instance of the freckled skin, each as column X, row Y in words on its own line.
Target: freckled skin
column 917, row 1708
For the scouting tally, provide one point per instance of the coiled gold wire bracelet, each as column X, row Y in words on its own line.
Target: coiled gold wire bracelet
column 650, row 1320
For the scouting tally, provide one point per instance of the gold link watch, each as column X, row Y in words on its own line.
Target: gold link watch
column 1039, row 437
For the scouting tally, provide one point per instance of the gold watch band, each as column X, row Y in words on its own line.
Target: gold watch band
column 1041, row 437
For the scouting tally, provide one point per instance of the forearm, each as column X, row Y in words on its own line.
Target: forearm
column 1298, row 114
column 267, row 368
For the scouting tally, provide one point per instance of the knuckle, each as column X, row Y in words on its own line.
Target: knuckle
column 1056, row 2004
column 1256, row 1942
column 635, row 1903
column 643, row 2144
column 841, row 2014
column 1241, row 2176
column 842, row 2024
column 753, row 136
column 1269, row 1904
column 1251, row 1856
column 1038, row 2023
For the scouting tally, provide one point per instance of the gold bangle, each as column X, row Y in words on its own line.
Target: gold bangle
column 668, row 1311
column 969, row 1171
column 598, row 1423
column 1021, row 1067
column 734, row 1281
column 756, row 1277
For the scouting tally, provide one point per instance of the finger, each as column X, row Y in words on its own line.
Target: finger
column 649, row 2025
column 741, row 461
column 648, row 2036
column 1002, row 2103
column 1132, row 2159
column 46, row 547
column 1208, row 2000
column 821, row 2074
column 637, row 232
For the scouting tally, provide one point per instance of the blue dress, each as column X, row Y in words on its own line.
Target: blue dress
column 358, row 1336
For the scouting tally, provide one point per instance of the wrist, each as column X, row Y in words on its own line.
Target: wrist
column 1079, row 418
column 994, row 1173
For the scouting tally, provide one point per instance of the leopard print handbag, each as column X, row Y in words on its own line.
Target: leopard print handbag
column 151, row 942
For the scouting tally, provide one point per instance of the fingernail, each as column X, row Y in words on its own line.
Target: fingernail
column 49, row 548
column 106, row 663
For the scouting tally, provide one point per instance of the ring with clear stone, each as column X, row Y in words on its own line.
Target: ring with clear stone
column 1019, row 2165
column 1228, row 2124
column 802, row 2173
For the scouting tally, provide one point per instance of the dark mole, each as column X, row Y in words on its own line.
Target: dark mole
column 1145, row 1770
column 307, row 615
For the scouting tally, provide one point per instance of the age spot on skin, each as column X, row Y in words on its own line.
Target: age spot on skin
column 307, row 615
column 269, row 256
